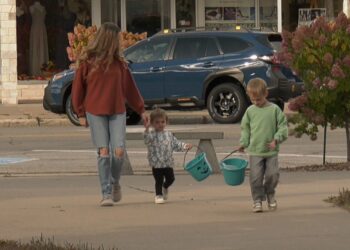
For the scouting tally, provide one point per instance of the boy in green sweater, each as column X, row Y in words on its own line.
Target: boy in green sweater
column 264, row 128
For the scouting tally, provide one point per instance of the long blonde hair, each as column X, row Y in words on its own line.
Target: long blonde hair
column 104, row 49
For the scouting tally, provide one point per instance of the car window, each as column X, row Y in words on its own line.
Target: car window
column 190, row 48
column 212, row 48
column 273, row 41
column 232, row 44
column 153, row 50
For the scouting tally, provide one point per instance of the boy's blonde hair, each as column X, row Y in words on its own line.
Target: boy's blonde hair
column 257, row 87
column 158, row 113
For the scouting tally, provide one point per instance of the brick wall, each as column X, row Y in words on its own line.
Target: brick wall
column 8, row 52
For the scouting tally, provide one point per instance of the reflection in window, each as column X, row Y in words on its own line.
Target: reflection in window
column 229, row 14
column 185, row 13
column 154, row 50
column 232, row 44
column 268, row 14
column 195, row 48
column 147, row 16
column 110, row 11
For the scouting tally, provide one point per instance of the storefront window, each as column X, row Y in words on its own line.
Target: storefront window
column 111, row 12
column 227, row 14
column 42, row 28
column 268, row 15
column 185, row 13
column 303, row 12
column 149, row 16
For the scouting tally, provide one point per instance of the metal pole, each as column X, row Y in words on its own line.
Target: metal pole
column 324, row 143
column 279, row 16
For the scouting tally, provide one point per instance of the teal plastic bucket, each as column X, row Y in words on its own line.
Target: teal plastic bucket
column 199, row 167
column 233, row 170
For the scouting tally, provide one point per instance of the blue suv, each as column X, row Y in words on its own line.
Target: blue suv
column 196, row 69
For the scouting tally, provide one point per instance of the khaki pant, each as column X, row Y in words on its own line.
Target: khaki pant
column 264, row 176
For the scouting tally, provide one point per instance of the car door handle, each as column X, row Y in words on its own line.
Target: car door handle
column 208, row 64
column 156, row 69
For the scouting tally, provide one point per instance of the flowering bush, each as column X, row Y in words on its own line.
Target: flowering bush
column 79, row 39
column 320, row 55
column 83, row 35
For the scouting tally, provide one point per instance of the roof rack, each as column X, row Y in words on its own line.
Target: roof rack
column 237, row 28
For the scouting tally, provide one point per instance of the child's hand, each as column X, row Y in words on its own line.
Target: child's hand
column 83, row 122
column 272, row 145
column 145, row 119
column 241, row 149
column 188, row 146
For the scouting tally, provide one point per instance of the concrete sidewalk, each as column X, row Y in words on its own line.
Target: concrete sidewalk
column 208, row 215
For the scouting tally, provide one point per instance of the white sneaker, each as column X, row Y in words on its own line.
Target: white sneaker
column 165, row 193
column 272, row 205
column 257, row 207
column 159, row 199
column 117, row 193
column 106, row 202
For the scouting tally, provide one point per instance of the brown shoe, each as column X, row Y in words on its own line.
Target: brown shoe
column 117, row 193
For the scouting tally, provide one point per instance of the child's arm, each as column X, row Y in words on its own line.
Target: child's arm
column 282, row 127
column 282, row 130
column 179, row 146
column 245, row 132
column 147, row 136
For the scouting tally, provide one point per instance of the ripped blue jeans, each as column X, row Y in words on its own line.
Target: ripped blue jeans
column 108, row 131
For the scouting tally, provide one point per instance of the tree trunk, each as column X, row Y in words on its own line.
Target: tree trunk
column 347, row 129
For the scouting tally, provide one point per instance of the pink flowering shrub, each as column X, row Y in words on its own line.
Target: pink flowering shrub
column 82, row 35
column 320, row 55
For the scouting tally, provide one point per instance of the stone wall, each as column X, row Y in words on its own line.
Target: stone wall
column 8, row 52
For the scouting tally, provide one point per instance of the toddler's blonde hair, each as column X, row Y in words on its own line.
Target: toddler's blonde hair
column 257, row 87
column 158, row 113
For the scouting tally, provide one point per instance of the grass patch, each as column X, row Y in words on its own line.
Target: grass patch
column 45, row 244
column 341, row 200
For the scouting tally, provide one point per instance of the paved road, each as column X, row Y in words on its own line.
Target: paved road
column 206, row 216
column 68, row 149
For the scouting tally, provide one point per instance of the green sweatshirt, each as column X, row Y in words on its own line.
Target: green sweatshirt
column 261, row 126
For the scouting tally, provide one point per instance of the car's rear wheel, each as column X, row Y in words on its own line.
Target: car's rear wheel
column 227, row 103
column 132, row 118
column 70, row 112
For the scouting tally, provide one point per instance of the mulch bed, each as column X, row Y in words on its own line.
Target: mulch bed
column 314, row 168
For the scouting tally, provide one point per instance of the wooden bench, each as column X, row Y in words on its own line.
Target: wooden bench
column 205, row 144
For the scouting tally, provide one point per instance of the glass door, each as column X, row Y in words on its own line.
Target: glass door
column 185, row 13
column 149, row 16
column 111, row 11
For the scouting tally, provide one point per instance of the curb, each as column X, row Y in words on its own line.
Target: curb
column 40, row 122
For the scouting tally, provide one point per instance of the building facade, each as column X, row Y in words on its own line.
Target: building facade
column 18, row 39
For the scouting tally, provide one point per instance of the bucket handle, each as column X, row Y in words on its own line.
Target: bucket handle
column 234, row 151
column 187, row 150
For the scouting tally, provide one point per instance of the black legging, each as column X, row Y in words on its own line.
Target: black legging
column 159, row 175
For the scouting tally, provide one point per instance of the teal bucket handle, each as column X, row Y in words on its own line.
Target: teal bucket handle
column 227, row 156
column 184, row 163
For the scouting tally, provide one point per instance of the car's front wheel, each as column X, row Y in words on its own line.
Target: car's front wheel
column 70, row 112
column 227, row 103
